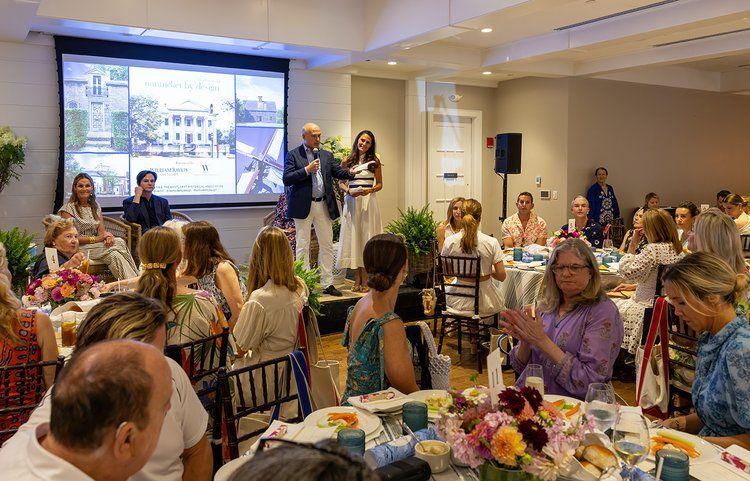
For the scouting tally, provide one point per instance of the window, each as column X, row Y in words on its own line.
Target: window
column 166, row 121
column 177, row 136
column 177, row 120
column 210, row 136
column 200, row 137
column 188, row 121
column 97, row 85
column 199, row 121
column 189, row 138
column 209, row 123
column 166, row 135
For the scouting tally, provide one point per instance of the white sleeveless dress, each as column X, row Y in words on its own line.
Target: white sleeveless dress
column 360, row 221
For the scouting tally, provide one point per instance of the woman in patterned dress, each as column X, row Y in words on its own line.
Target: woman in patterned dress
column 212, row 269
column 25, row 337
column 704, row 289
column 99, row 244
column 602, row 200
column 360, row 220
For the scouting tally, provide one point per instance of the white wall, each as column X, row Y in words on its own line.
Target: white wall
column 29, row 105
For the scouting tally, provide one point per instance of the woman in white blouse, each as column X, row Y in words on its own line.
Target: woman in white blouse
column 452, row 223
column 267, row 325
column 734, row 206
column 664, row 247
column 470, row 241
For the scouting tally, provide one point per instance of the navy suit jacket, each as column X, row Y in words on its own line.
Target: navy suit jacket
column 138, row 214
column 300, row 182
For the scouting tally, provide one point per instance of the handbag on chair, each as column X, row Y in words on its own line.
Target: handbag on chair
column 652, row 365
column 440, row 364
column 325, row 389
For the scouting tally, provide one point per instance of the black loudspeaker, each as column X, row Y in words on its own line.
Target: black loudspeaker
column 508, row 153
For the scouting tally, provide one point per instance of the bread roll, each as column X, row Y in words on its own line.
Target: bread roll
column 600, row 456
column 591, row 468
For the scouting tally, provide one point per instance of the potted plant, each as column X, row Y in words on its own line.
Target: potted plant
column 340, row 152
column 12, row 156
column 311, row 278
column 418, row 229
column 18, row 250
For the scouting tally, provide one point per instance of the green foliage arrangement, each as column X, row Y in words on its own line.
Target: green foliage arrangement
column 417, row 227
column 120, row 130
column 311, row 278
column 17, row 243
column 335, row 145
column 76, row 128
column 146, row 119
column 12, row 156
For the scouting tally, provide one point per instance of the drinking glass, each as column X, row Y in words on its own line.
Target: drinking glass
column 600, row 405
column 535, row 377
column 608, row 245
column 631, row 439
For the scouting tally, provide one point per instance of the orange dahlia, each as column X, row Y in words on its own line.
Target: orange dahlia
column 507, row 446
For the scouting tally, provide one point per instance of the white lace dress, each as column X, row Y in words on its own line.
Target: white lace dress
column 641, row 269
column 360, row 221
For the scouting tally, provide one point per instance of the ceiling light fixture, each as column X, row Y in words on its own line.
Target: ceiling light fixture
column 392, row 62
column 486, row 72
column 486, row 30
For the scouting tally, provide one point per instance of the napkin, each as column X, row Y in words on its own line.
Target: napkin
column 387, row 405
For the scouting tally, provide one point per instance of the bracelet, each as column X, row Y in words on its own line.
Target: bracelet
column 92, row 239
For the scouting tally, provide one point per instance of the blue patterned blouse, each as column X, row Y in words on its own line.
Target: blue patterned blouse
column 721, row 390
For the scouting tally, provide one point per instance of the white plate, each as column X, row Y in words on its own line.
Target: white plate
column 422, row 396
column 708, row 452
column 369, row 423
column 556, row 397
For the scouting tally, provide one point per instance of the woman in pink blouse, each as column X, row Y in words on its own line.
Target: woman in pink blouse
column 576, row 336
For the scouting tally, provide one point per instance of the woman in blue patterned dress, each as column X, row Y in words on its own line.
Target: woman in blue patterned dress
column 703, row 289
column 602, row 200
column 379, row 354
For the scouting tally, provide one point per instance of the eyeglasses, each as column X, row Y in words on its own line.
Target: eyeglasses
column 572, row 268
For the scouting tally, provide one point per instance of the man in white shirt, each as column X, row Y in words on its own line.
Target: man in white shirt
column 108, row 407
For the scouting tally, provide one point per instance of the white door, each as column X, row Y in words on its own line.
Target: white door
column 450, row 161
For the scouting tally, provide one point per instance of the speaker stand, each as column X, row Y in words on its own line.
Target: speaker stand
column 505, row 197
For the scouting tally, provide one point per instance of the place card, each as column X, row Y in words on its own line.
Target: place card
column 53, row 262
column 495, row 375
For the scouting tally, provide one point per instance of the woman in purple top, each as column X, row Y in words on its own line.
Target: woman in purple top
column 578, row 335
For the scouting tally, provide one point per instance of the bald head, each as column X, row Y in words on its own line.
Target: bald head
column 311, row 135
column 104, row 386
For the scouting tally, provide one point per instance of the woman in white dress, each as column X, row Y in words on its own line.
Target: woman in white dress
column 470, row 241
column 93, row 239
column 268, row 322
column 360, row 220
column 664, row 247
column 452, row 223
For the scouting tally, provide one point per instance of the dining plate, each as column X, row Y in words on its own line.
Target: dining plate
column 568, row 401
column 367, row 422
column 433, row 398
column 706, row 451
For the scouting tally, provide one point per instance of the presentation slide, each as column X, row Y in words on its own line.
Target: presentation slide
column 213, row 135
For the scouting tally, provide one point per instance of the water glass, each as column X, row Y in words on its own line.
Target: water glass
column 353, row 440
column 600, row 405
column 675, row 465
column 607, row 246
column 415, row 415
column 535, row 377
column 517, row 254
column 630, row 438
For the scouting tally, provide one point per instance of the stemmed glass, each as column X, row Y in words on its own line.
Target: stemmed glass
column 608, row 245
column 600, row 405
column 631, row 439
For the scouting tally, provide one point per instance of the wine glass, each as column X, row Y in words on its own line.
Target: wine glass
column 600, row 405
column 630, row 438
column 535, row 377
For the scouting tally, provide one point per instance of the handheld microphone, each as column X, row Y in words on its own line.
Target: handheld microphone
column 315, row 153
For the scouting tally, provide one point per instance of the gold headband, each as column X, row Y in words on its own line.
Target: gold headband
column 153, row 265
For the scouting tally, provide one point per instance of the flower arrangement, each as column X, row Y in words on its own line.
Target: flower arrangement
column 63, row 286
column 562, row 234
column 523, row 432
column 12, row 156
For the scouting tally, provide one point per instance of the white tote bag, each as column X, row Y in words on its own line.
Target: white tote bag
column 440, row 364
column 652, row 361
column 324, row 373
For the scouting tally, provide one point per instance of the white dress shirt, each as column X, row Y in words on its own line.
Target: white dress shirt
column 23, row 457
column 317, row 177
column 185, row 424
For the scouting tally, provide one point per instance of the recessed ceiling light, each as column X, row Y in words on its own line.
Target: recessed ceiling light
column 392, row 62
column 486, row 72
column 486, row 30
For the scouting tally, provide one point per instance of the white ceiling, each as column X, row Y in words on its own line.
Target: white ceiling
column 696, row 43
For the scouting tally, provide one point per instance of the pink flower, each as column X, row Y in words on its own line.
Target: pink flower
column 40, row 295
column 56, row 294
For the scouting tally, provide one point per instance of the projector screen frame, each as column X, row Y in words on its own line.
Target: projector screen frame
column 135, row 51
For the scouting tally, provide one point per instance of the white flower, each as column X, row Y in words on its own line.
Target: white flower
column 475, row 395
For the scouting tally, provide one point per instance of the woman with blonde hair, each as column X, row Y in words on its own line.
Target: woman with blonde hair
column 663, row 248
column 704, row 289
column 734, row 206
column 63, row 236
column 575, row 333
column 470, row 241
column 452, row 224
column 192, row 314
column 94, row 240
column 716, row 232
column 211, row 268
column 628, row 239
column 26, row 337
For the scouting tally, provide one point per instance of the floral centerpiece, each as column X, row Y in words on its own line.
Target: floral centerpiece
column 63, row 286
column 524, row 433
column 562, row 234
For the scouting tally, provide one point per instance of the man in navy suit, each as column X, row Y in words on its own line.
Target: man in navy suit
column 144, row 207
column 308, row 172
